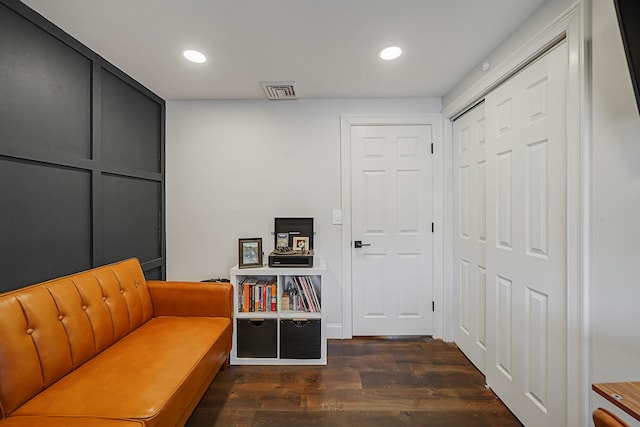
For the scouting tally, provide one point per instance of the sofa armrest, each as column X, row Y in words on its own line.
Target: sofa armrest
column 191, row 298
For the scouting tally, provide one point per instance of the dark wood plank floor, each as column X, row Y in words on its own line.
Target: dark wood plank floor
column 367, row 382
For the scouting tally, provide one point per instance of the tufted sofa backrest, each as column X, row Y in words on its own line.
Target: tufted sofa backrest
column 49, row 329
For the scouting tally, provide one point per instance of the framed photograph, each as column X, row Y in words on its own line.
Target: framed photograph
column 250, row 253
column 301, row 243
column 282, row 240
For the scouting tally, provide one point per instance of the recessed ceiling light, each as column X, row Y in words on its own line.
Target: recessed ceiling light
column 194, row 56
column 390, row 53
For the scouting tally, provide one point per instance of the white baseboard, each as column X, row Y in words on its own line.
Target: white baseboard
column 334, row 331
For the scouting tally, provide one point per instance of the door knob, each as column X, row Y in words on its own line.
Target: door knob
column 359, row 244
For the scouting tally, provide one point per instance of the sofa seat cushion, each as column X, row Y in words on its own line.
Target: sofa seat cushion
column 152, row 374
column 67, row 422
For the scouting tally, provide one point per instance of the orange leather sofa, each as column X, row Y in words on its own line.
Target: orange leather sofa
column 106, row 348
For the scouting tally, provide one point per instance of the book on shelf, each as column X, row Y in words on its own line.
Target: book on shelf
column 312, row 291
column 257, row 295
column 303, row 295
column 304, row 292
column 274, row 297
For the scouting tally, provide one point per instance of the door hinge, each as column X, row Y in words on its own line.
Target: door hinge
column 432, row 148
column 433, row 227
column 433, row 306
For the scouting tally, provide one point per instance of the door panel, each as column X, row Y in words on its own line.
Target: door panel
column 526, row 240
column 391, row 214
column 469, row 179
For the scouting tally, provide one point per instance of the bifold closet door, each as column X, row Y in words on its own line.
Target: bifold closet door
column 526, row 240
column 470, row 234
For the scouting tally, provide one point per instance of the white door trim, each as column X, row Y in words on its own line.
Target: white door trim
column 435, row 121
column 572, row 24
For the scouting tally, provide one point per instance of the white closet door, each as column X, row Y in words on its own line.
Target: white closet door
column 470, row 234
column 526, row 241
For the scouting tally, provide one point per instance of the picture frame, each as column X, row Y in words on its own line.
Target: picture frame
column 250, row 252
column 282, row 240
column 300, row 243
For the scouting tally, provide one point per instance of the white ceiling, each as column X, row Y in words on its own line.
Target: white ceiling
column 328, row 47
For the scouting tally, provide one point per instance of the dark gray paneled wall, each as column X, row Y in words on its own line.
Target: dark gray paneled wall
column 81, row 157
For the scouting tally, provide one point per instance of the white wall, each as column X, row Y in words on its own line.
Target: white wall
column 615, row 252
column 502, row 53
column 233, row 166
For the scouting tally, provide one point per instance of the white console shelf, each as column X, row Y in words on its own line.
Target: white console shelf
column 282, row 336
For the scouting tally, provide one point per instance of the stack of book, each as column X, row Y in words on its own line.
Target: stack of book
column 257, row 295
column 302, row 295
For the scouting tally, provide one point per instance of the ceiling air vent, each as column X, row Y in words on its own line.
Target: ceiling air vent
column 279, row 90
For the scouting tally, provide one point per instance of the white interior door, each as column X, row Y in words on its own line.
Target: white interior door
column 391, row 192
column 470, row 234
column 526, row 241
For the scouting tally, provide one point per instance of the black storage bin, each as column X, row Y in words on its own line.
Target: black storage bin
column 257, row 338
column 300, row 339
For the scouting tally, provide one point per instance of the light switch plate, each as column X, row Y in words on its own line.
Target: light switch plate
column 337, row 216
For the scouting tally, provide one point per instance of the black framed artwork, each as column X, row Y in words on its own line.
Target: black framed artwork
column 250, row 252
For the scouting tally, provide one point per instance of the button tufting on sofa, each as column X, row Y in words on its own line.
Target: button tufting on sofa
column 144, row 359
